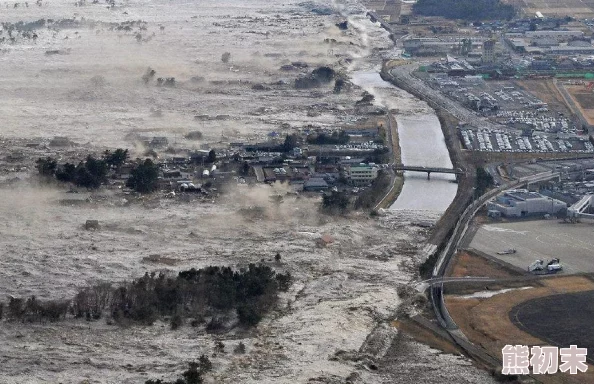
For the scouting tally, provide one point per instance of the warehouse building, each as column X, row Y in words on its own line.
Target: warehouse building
column 522, row 203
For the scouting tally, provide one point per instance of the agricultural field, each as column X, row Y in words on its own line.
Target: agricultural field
column 573, row 8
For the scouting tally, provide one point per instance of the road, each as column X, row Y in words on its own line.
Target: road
column 405, row 79
column 445, row 256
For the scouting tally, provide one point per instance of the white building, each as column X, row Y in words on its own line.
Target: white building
column 521, row 203
column 361, row 174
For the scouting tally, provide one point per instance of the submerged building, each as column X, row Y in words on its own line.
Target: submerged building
column 522, row 203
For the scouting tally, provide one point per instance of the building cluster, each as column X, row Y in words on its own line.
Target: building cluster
column 316, row 160
column 523, row 203
column 473, row 47
column 550, row 42
column 315, row 176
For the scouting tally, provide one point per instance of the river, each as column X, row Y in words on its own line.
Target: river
column 421, row 144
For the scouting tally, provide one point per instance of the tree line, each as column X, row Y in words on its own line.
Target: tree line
column 93, row 172
column 213, row 293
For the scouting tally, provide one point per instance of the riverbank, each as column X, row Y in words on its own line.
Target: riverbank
column 397, row 179
column 466, row 181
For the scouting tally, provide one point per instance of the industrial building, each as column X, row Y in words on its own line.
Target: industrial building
column 583, row 209
column 559, row 36
column 523, row 203
column 433, row 45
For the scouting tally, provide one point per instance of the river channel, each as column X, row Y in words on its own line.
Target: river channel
column 421, row 144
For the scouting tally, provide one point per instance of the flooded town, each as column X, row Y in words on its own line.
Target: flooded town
column 313, row 191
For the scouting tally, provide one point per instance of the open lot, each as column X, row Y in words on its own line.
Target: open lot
column 542, row 239
column 574, row 8
column 484, row 317
column 584, row 100
column 562, row 320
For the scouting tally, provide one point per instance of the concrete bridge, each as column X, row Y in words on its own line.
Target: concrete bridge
column 429, row 170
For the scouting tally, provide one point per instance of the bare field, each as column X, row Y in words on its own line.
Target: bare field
column 546, row 91
column 574, row 8
column 584, row 100
column 466, row 263
column 486, row 321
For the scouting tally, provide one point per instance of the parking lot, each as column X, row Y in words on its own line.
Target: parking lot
column 573, row 244
column 505, row 141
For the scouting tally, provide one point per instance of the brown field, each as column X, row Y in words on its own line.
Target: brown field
column 487, row 324
column 574, row 8
column 468, row 264
column 583, row 99
column 546, row 91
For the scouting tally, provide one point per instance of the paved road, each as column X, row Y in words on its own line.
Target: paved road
column 419, row 88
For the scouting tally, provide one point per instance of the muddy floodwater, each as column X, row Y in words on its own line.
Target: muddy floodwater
column 79, row 87
column 421, row 144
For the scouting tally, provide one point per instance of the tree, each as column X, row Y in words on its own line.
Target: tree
column 91, row 173
column 225, row 57
column 277, row 257
column 245, row 168
column 116, row 159
column 290, row 143
column 338, row 85
column 193, row 375
column 248, row 315
column 212, row 156
column 205, row 364
column 335, row 201
column 144, row 178
column 66, row 173
column 484, row 180
column 176, row 321
column 47, row 166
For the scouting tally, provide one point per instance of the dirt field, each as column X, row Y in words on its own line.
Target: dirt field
column 574, row 8
column 546, row 91
column 486, row 321
column 467, row 264
column 583, row 99
column 562, row 320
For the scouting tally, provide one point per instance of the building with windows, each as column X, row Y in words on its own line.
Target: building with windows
column 489, row 51
column 361, row 174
